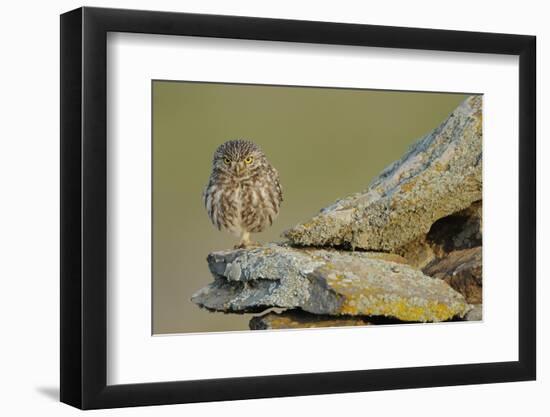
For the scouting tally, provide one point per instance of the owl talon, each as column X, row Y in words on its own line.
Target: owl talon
column 247, row 245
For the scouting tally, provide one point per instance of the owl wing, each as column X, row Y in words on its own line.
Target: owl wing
column 204, row 194
column 278, row 186
column 206, row 190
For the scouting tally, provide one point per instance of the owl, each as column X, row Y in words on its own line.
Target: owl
column 243, row 194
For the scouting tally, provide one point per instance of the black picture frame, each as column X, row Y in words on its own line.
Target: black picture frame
column 84, row 207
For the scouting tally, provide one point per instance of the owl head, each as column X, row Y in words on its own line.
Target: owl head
column 238, row 157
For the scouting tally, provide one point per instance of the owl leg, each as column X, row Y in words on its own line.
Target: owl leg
column 245, row 241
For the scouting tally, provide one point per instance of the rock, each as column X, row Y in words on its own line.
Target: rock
column 461, row 230
column 462, row 270
column 440, row 175
column 475, row 314
column 326, row 282
column 297, row 319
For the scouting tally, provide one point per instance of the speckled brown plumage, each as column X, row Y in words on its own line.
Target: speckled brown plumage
column 243, row 194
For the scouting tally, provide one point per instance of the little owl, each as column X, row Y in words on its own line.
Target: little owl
column 243, row 194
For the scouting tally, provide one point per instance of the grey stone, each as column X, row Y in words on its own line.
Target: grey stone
column 326, row 282
column 475, row 314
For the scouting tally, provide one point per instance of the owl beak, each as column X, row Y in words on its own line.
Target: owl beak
column 239, row 169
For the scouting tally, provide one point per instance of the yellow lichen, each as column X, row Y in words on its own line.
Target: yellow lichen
column 401, row 309
column 408, row 186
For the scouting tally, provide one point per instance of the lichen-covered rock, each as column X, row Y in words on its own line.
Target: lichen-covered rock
column 462, row 270
column 440, row 175
column 297, row 319
column 326, row 282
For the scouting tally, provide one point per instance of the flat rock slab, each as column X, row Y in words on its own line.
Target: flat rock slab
column 439, row 175
column 297, row 319
column 326, row 282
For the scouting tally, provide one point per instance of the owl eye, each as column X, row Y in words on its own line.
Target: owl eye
column 248, row 160
column 226, row 161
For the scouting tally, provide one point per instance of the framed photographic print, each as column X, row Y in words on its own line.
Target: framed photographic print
column 258, row 207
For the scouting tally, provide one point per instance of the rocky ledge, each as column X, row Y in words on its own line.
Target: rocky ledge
column 407, row 249
column 326, row 282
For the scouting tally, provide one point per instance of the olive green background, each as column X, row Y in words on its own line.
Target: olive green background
column 326, row 143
